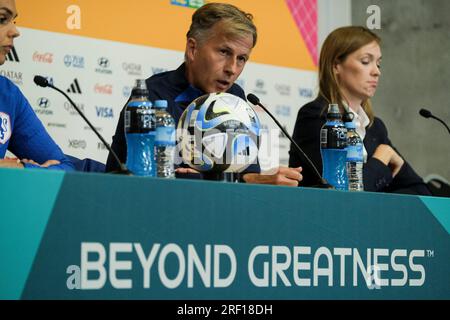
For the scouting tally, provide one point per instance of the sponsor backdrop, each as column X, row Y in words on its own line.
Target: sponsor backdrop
column 58, row 244
column 95, row 50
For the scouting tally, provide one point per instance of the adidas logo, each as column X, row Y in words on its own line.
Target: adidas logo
column 12, row 55
column 74, row 87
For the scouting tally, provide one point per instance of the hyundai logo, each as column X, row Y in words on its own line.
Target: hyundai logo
column 103, row 62
column 43, row 102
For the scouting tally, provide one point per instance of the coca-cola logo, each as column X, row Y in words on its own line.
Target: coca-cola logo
column 43, row 57
column 103, row 89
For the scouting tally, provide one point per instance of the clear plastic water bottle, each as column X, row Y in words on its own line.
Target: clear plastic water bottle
column 164, row 141
column 140, row 132
column 333, row 148
column 355, row 157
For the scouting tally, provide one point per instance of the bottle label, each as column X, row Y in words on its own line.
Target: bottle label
column 165, row 136
column 139, row 103
column 323, row 137
column 333, row 136
column 355, row 153
column 139, row 119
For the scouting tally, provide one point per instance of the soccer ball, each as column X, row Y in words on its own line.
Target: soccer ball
column 219, row 132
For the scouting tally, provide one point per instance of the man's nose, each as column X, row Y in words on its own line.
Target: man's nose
column 231, row 66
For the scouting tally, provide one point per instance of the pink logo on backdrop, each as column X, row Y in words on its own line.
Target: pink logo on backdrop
column 304, row 13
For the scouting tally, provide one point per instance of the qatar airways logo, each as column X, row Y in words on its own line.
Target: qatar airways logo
column 72, row 111
column 132, row 69
column 103, row 89
column 128, row 265
column 43, row 57
column 14, row 76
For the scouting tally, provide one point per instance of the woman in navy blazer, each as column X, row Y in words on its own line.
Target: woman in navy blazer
column 349, row 70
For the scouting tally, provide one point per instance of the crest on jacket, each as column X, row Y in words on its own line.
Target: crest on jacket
column 5, row 127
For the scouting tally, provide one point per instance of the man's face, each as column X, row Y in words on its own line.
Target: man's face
column 216, row 63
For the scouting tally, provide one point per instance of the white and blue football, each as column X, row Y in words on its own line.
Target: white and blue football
column 219, row 132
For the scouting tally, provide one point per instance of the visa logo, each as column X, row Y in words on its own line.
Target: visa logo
column 156, row 70
column 305, row 92
column 104, row 112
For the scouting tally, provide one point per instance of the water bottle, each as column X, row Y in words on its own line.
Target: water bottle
column 333, row 148
column 140, row 132
column 164, row 141
column 355, row 157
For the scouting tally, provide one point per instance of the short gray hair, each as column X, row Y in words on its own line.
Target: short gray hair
column 238, row 22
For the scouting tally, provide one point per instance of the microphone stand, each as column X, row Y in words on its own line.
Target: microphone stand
column 41, row 81
column 441, row 121
column 322, row 182
column 427, row 114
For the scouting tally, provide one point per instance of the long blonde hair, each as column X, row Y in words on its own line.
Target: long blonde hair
column 337, row 46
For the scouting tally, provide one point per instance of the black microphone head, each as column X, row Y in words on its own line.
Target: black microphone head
column 41, row 81
column 425, row 113
column 253, row 99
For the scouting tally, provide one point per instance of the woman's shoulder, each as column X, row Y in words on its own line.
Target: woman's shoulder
column 313, row 109
column 378, row 124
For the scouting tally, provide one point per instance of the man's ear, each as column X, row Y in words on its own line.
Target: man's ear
column 191, row 47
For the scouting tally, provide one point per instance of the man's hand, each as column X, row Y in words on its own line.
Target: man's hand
column 17, row 163
column 185, row 170
column 10, row 163
column 46, row 164
column 389, row 157
column 282, row 176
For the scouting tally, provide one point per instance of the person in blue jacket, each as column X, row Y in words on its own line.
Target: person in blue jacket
column 21, row 132
column 349, row 71
column 218, row 46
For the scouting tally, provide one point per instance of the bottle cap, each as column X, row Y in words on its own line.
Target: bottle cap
column 161, row 104
column 140, row 89
column 348, row 116
column 333, row 112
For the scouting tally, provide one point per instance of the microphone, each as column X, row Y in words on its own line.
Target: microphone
column 43, row 82
column 322, row 182
column 427, row 114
